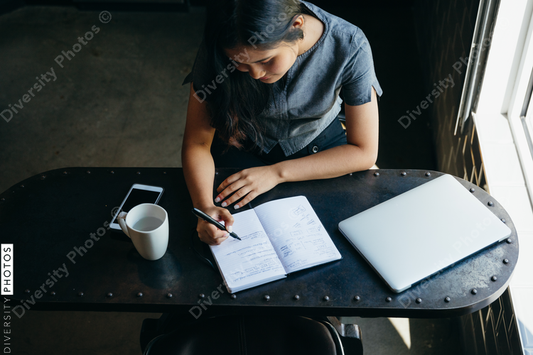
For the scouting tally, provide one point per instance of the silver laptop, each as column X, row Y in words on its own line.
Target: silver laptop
column 420, row 232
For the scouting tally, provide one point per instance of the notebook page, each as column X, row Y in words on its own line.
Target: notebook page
column 248, row 262
column 297, row 233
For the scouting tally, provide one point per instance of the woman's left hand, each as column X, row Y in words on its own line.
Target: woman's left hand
column 247, row 185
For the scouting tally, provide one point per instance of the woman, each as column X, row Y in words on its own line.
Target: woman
column 265, row 98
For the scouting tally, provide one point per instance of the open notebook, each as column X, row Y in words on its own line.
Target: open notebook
column 278, row 237
column 420, row 232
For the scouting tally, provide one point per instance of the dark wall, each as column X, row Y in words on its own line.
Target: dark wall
column 10, row 5
column 445, row 30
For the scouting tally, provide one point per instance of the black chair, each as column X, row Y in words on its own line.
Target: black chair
column 252, row 335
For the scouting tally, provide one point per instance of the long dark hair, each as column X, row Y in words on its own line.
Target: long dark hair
column 237, row 102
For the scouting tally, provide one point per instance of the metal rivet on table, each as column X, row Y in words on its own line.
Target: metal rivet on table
column 494, row 278
column 474, row 291
column 490, row 203
column 267, row 298
column 169, row 295
column 376, row 174
column 326, row 298
column 447, row 299
column 357, row 298
column 80, row 294
column 109, row 295
column 140, row 294
column 388, row 299
column 506, row 261
column 403, row 173
column 296, row 297
column 509, row 240
column 418, row 300
column 233, row 296
column 428, row 174
column 201, row 295
column 472, row 190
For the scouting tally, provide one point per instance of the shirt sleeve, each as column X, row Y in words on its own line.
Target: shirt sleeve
column 359, row 76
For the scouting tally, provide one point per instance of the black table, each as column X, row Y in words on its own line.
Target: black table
column 66, row 258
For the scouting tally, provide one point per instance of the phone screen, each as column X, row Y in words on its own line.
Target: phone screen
column 137, row 197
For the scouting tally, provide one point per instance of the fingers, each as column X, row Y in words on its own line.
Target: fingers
column 246, row 200
column 225, row 215
column 244, row 186
column 241, row 198
column 230, row 180
column 244, row 192
column 235, row 188
column 233, row 183
column 210, row 234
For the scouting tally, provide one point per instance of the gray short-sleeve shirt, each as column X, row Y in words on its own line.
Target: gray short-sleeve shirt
column 304, row 104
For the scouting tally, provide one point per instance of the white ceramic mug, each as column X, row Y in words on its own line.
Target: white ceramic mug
column 147, row 226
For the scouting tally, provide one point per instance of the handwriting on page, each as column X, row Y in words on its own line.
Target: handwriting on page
column 253, row 257
column 299, row 236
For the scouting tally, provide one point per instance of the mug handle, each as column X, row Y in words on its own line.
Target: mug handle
column 121, row 218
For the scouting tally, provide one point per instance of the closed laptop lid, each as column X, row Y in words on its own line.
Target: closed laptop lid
column 420, row 232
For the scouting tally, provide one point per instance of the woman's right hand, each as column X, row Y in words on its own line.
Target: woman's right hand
column 210, row 234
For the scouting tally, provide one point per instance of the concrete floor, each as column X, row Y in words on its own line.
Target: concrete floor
column 118, row 101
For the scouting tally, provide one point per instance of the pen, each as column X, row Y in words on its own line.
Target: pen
column 209, row 219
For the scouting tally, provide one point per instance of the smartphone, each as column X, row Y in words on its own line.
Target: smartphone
column 138, row 194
